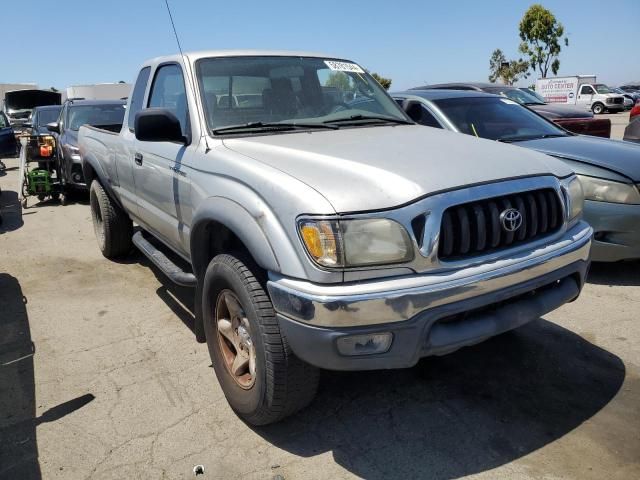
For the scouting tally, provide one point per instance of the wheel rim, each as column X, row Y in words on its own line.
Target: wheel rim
column 234, row 338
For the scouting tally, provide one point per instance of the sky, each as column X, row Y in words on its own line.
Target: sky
column 71, row 42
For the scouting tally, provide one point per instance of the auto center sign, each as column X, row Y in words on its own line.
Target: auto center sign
column 558, row 90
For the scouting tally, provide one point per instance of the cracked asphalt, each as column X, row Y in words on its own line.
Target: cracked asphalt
column 101, row 378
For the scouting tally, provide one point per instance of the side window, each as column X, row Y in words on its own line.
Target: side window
column 168, row 91
column 427, row 119
column 138, row 96
column 586, row 90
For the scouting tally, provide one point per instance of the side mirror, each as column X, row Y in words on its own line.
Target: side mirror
column 413, row 108
column 158, row 125
column 53, row 127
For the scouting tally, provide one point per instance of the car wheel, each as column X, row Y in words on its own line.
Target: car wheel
column 597, row 108
column 112, row 226
column 260, row 376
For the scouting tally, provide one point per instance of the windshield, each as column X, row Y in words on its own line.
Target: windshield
column 496, row 119
column 49, row 115
column 601, row 88
column 95, row 115
column 515, row 94
column 293, row 90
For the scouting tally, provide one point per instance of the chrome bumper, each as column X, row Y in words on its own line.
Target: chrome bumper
column 385, row 301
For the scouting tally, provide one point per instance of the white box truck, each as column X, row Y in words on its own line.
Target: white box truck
column 580, row 90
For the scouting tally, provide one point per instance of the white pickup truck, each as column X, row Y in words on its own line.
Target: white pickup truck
column 321, row 227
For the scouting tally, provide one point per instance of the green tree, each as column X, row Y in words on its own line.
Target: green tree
column 508, row 71
column 384, row 82
column 541, row 35
column 341, row 81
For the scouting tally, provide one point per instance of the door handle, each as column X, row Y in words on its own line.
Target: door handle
column 138, row 158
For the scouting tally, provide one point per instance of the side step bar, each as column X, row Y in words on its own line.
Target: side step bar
column 160, row 260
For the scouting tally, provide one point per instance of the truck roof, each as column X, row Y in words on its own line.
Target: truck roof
column 196, row 55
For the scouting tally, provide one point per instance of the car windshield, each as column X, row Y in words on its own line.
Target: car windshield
column 496, row 119
column 515, row 94
column 48, row 116
column 261, row 93
column 110, row 114
column 601, row 88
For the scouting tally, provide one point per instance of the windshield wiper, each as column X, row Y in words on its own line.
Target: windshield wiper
column 376, row 118
column 272, row 126
column 524, row 138
column 534, row 103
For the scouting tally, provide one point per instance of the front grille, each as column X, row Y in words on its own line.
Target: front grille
column 618, row 100
column 476, row 228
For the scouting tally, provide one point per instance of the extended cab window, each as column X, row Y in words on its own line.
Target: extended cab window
column 168, row 92
column 137, row 97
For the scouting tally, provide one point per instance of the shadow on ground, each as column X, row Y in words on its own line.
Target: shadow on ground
column 618, row 273
column 10, row 211
column 18, row 421
column 464, row 413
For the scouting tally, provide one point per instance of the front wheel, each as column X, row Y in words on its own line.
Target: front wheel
column 597, row 108
column 260, row 376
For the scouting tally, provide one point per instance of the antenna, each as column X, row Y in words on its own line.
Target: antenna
column 191, row 84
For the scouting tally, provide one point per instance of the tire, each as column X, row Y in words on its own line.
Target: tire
column 280, row 383
column 597, row 108
column 112, row 226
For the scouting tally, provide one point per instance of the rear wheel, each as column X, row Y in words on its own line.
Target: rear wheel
column 597, row 108
column 112, row 226
column 260, row 376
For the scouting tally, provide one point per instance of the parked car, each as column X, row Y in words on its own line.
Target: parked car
column 632, row 131
column 574, row 119
column 630, row 99
column 325, row 230
column 633, row 88
column 17, row 105
column 74, row 114
column 608, row 169
column 580, row 90
column 40, row 118
column 8, row 144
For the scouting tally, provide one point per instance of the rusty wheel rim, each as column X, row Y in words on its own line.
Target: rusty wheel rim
column 234, row 338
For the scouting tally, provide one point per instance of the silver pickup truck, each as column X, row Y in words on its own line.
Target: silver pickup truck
column 322, row 228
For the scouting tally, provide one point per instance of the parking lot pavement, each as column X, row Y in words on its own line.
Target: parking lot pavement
column 101, row 377
column 619, row 122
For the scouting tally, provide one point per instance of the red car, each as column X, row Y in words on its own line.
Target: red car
column 635, row 111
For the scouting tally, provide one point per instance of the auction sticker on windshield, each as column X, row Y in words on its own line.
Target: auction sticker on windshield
column 343, row 66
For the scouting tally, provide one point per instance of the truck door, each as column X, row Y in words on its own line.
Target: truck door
column 162, row 186
column 126, row 149
column 585, row 95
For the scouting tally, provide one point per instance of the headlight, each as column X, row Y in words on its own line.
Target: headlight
column 575, row 197
column 356, row 242
column 600, row 190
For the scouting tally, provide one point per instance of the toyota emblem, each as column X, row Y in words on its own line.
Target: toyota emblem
column 511, row 219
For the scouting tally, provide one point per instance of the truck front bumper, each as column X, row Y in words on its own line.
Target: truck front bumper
column 429, row 314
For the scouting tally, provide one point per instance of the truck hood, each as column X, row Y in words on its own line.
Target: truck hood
column 620, row 157
column 372, row 168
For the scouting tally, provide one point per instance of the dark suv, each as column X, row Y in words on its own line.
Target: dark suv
column 74, row 113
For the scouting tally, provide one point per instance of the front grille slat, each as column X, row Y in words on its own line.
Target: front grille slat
column 476, row 228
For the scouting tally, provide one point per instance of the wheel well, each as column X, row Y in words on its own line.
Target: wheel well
column 214, row 238
column 88, row 172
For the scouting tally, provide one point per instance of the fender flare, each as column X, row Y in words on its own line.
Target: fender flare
column 91, row 168
column 241, row 222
